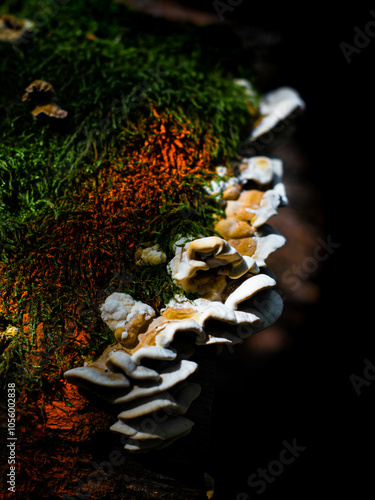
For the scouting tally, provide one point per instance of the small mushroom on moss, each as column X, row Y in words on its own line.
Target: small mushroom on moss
column 151, row 256
column 42, row 96
column 12, row 29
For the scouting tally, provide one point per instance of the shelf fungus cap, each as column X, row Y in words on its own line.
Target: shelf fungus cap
column 254, row 206
column 122, row 379
column 264, row 171
column 13, row 29
column 257, row 168
column 214, row 321
column 257, row 244
column 176, row 401
column 42, row 96
column 275, row 107
column 126, row 316
column 212, row 254
column 145, row 434
column 268, row 240
column 147, row 373
column 232, row 228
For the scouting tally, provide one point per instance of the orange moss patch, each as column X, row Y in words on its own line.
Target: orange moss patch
column 157, row 173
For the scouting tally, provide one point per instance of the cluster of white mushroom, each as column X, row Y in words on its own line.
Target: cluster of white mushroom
column 148, row 372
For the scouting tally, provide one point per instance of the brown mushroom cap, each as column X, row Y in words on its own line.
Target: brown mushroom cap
column 12, row 29
column 42, row 96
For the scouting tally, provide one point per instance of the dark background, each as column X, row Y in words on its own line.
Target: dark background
column 305, row 392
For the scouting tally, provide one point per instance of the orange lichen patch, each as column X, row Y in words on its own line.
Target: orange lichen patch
column 75, row 334
column 82, row 337
column 56, row 438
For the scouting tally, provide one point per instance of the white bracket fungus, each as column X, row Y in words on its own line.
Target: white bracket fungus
column 148, row 369
column 123, row 374
column 276, row 106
